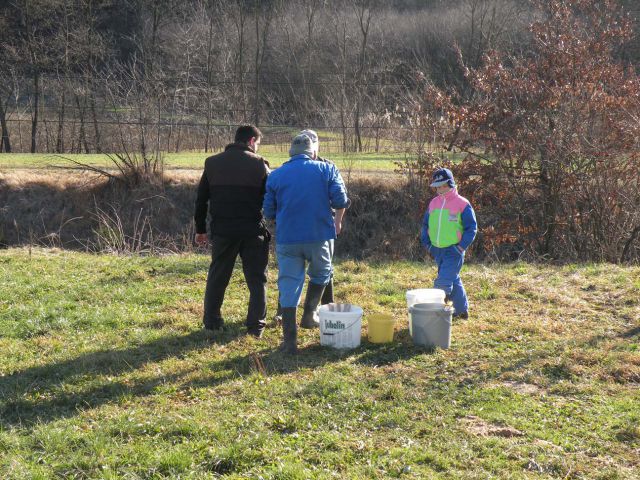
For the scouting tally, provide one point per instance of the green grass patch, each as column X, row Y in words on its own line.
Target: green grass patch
column 105, row 373
column 275, row 154
column 354, row 162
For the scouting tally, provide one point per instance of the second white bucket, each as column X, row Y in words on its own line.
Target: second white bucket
column 340, row 325
column 425, row 295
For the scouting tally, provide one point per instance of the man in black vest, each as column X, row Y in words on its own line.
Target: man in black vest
column 233, row 186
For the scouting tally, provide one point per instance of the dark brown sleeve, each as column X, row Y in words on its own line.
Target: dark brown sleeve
column 202, row 200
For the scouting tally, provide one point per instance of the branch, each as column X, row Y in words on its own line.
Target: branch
column 627, row 245
column 84, row 167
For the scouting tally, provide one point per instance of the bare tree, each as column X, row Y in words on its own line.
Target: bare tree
column 364, row 10
column 236, row 13
column 37, row 19
column 5, row 95
column 7, row 72
column 263, row 22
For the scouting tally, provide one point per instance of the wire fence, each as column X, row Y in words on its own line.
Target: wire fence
column 173, row 113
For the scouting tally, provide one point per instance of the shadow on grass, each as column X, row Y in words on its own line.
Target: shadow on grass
column 184, row 269
column 552, row 363
column 40, row 394
column 45, row 393
column 402, row 348
column 632, row 332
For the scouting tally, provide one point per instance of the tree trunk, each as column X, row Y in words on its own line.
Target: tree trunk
column 34, row 114
column 243, row 94
column 60, row 135
column 627, row 245
column 208, row 94
column 356, row 127
column 94, row 117
column 548, row 204
column 256, row 115
column 82, row 141
column 5, row 143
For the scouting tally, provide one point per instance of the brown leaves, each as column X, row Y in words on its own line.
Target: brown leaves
column 555, row 121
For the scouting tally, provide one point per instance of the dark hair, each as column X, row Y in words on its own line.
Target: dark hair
column 244, row 133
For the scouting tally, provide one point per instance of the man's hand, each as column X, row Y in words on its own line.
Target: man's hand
column 338, row 224
column 202, row 239
column 337, row 220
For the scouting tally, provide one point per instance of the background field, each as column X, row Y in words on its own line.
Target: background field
column 105, row 373
column 195, row 160
column 275, row 154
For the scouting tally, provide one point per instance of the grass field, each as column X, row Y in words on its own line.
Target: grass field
column 195, row 160
column 276, row 155
column 105, row 373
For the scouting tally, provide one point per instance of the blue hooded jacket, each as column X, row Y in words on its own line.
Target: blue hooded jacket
column 300, row 195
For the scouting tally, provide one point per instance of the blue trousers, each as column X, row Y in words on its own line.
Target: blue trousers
column 291, row 263
column 449, row 261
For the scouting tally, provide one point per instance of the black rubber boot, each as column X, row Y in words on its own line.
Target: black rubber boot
column 311, row 301
column 327, row 295
column 289, row 331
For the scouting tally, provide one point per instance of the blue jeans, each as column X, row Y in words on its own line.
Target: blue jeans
column 291, row 263
column 449, row 261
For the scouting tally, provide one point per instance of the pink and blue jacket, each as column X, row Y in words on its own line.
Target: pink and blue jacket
column 449, row 220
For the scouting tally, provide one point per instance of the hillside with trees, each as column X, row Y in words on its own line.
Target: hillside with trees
column 540, row 96
column 74, row 72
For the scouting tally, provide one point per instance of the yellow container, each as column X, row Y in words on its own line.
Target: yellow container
column 380, row 328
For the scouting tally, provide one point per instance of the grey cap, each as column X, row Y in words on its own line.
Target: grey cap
column 314, row 138
column 302, row 144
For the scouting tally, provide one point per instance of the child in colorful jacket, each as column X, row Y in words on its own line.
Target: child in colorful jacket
column 448, row 228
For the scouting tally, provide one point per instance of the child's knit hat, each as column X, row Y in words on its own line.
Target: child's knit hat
column 442, row 176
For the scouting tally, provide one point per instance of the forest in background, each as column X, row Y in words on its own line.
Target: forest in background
column 540, row 99
column 85, row 76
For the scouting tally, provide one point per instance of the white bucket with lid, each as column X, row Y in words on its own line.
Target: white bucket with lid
column 340, row 325
column 429, row 326
column 425, row 295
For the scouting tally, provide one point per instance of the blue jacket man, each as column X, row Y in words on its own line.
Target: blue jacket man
column 300, row 196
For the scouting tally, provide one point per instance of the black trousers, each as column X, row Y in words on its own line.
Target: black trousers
column 254, row 253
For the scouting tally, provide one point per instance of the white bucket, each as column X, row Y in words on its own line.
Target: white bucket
column 430, row 327
column 425, row 295
column 340, row 325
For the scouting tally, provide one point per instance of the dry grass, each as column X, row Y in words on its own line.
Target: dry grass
column 85, row 211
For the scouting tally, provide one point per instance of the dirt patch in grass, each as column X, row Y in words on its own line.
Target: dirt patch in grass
column 478, row 426
column 523, row 388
